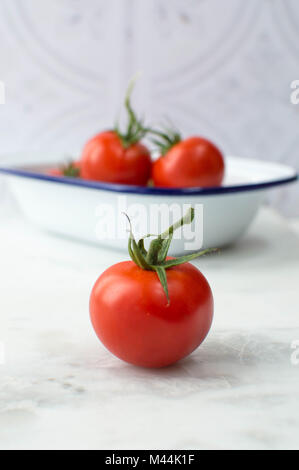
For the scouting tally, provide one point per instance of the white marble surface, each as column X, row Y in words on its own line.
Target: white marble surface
column 61, row 389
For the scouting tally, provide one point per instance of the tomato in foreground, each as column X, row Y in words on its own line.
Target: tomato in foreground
column 193, row 162
column 154, row 310
column 117, row 157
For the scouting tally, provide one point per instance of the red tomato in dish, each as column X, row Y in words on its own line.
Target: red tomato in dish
column 105, row 158
column 193, row 162
column 55, row 172
column 131, row 316
column 71, row 170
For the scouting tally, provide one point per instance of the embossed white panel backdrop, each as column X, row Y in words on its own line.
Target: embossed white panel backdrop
column 219, row 68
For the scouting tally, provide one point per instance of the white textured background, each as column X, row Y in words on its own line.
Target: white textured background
column 219, row 68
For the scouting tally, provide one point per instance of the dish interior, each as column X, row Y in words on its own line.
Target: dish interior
column 241, row 174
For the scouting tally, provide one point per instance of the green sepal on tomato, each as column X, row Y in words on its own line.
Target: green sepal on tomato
column 153, row 310
column 70, row 170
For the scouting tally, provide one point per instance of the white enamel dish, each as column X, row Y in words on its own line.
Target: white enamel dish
column 92, row 211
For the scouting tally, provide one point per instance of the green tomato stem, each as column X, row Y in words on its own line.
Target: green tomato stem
column 155, row 258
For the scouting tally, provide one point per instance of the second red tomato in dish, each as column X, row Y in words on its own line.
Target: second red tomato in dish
column 193, row 162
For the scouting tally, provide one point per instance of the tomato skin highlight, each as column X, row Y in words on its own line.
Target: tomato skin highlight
column 193, row 162
column 104, row 158
column 131, row 317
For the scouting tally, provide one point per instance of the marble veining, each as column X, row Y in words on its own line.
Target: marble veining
column 60, row 388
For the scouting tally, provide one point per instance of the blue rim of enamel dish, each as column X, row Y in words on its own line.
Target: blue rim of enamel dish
column 122, row 188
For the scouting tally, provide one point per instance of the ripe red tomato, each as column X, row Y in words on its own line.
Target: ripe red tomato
column 193, row 162
column 55, row 172
column 154, row 310
column 71, row 170
column 105, row 158
column 131, row 317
